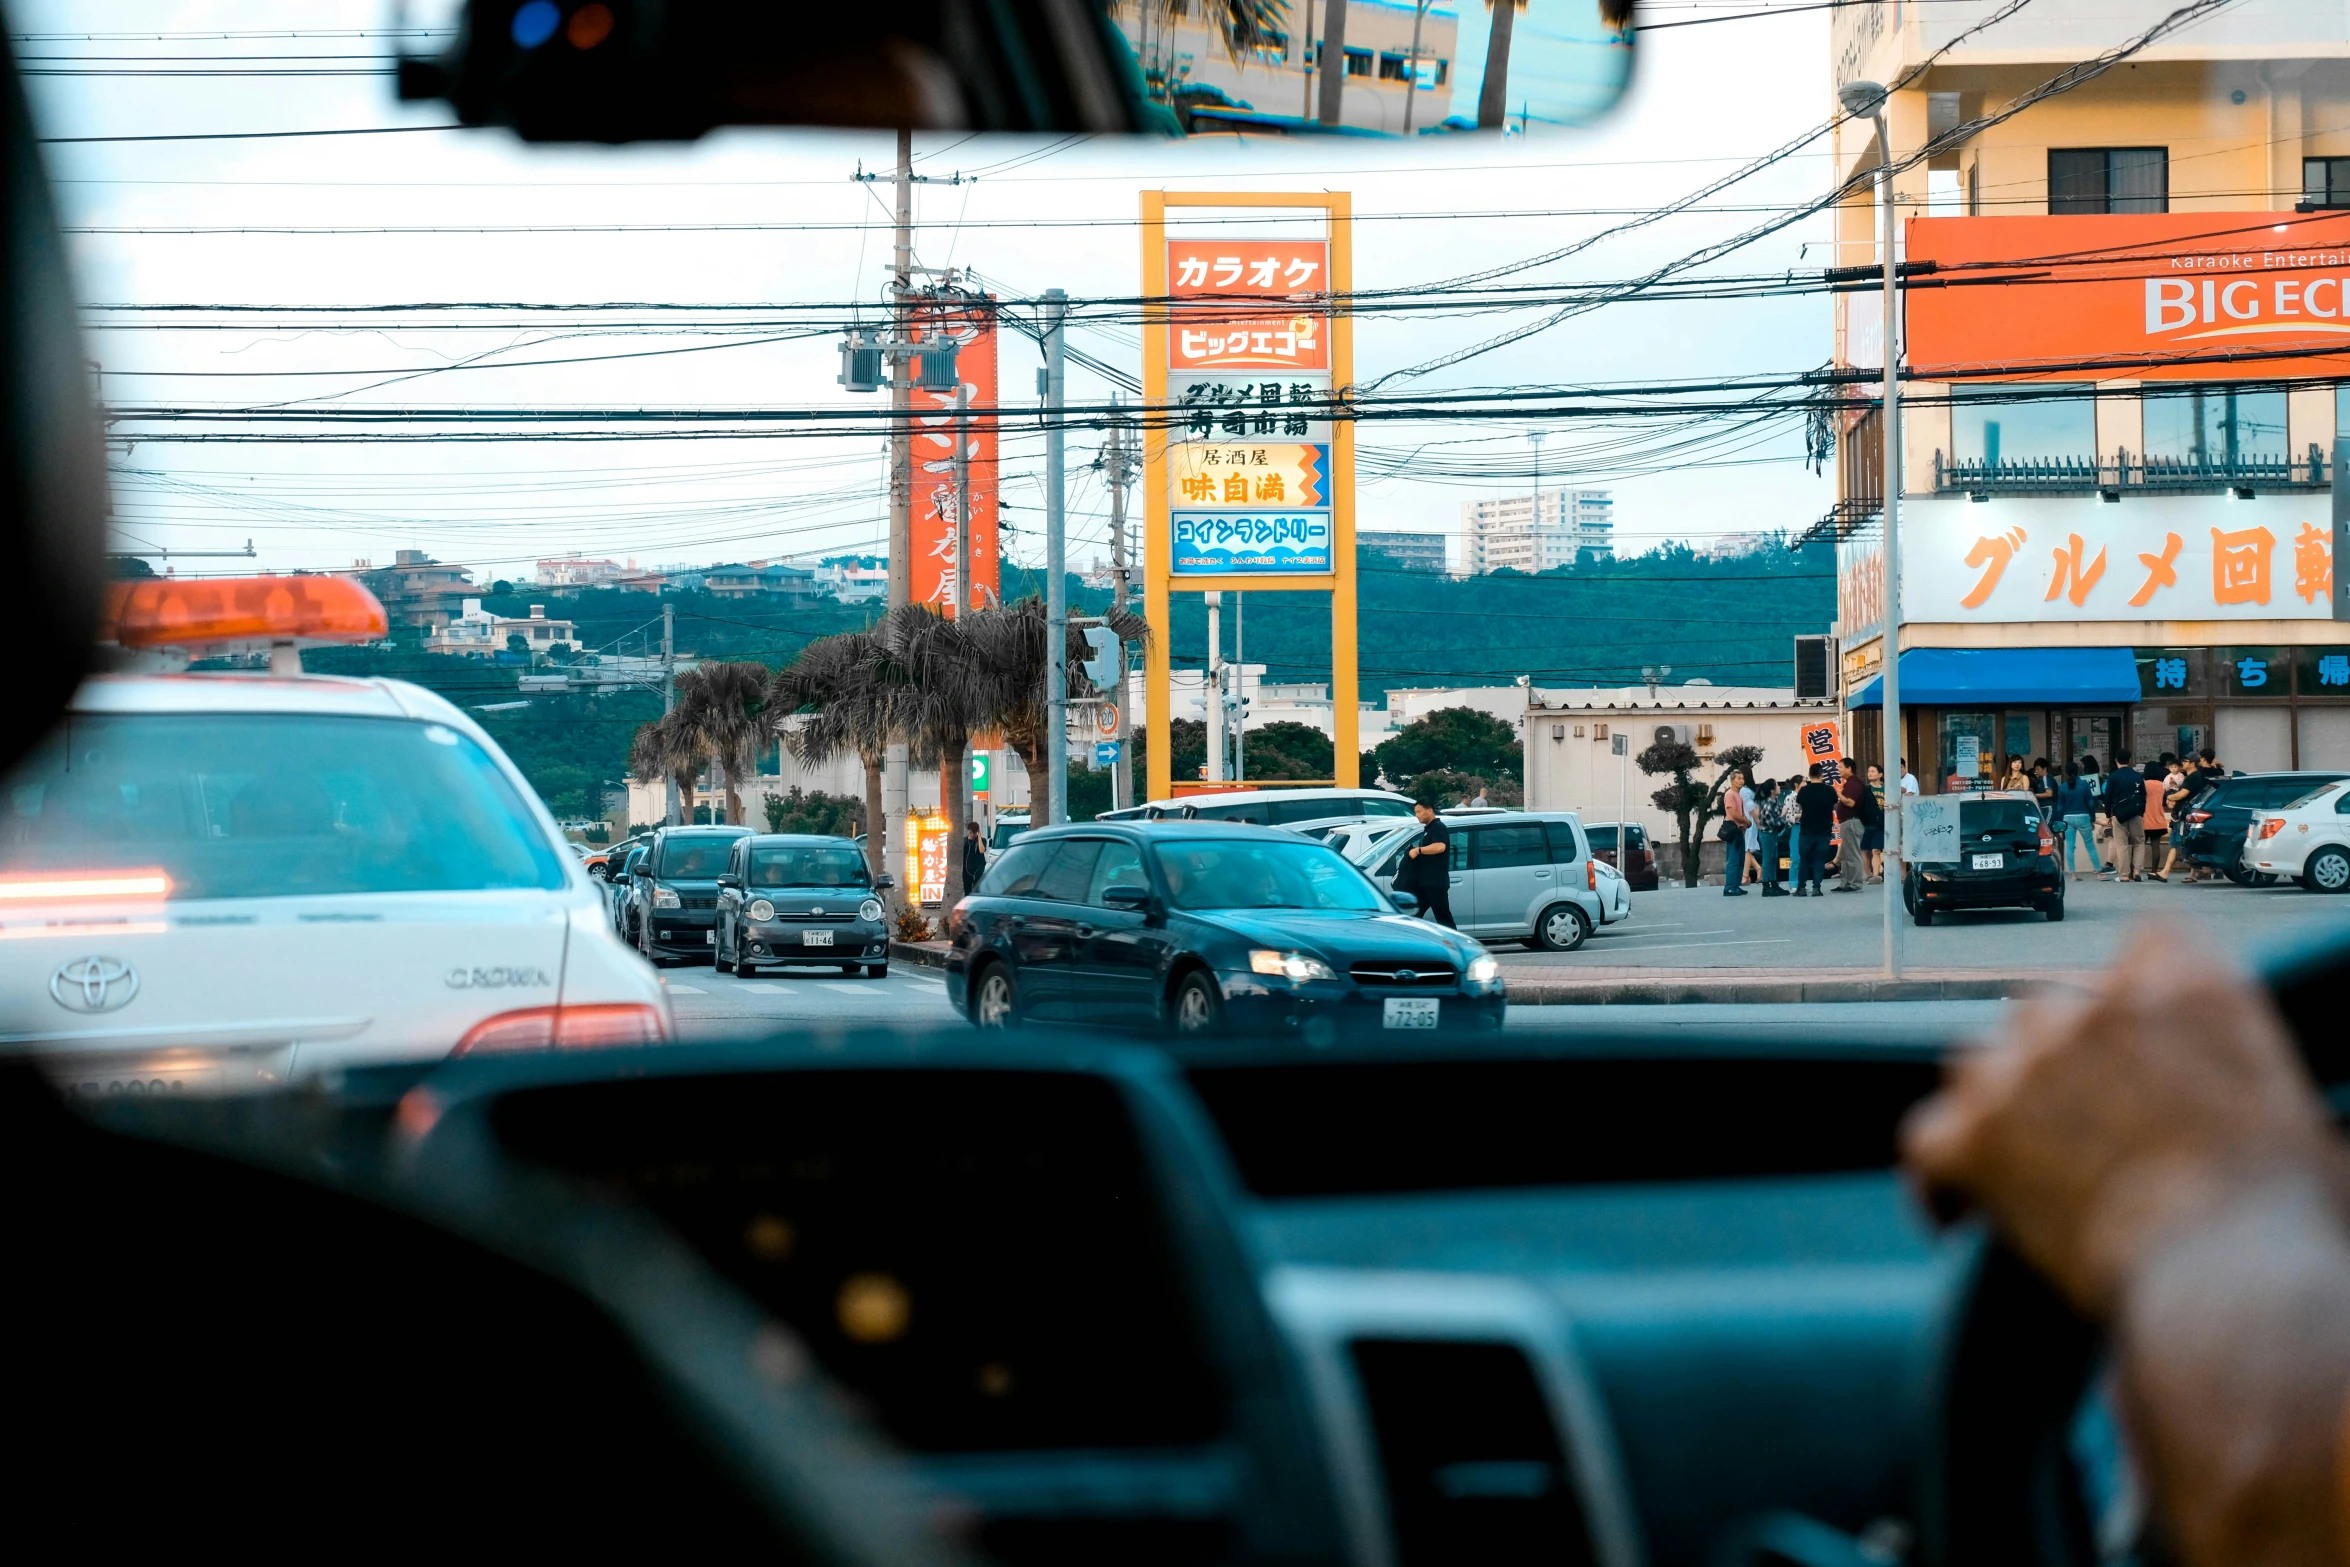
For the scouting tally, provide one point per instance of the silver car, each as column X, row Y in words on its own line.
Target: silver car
column 1520, row 876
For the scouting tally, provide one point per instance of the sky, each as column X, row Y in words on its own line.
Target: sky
column 769, row 217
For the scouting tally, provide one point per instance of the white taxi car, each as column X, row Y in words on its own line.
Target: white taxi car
column 2306, row 839
column 218, row 881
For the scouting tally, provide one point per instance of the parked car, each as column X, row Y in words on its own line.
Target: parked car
column 800, row 898
column 1269, row 807
column 1008, row 825
column 2007, row 859
column 1360, row 840
column 1205, row 928
column 673, row 893
column 2211, row 831
column 1516, row 876
column 2308, row 840
column 1640, row 873
column 602, row 861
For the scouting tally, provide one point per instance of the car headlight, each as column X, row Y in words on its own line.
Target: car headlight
column 869, row 910
column 760, row 911
column 1288, row 965
column 1484, row 969
column 663, row 898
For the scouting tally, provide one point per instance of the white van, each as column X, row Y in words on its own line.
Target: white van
column 1272, row 807
column 1520, row 876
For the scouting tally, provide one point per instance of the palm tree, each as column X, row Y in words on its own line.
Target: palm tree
column 660, row 753
column 945, row 693
column 1009, row 647
column 722, row 714
column 1493, row 95
column 848, row 711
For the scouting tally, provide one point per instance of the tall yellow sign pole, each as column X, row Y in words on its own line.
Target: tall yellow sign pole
column 1248, row 469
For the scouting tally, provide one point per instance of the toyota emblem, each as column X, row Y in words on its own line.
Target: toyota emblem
column 818, row 909
column 1407, row 975
column 94, row 985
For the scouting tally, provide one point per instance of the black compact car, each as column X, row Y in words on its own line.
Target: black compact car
column 672, row 907
column 1640, row 874
column 2211, row 830
column 2007, row 859
column 787, row 898
column 1205, row 927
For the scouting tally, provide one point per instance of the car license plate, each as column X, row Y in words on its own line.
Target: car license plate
column 1408, row 1012
column 815, row 938
column 1990, row 862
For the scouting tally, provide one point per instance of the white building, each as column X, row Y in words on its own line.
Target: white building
column 852, row 583
column 478, row 633
column 1571, row 763
column 1538, row 532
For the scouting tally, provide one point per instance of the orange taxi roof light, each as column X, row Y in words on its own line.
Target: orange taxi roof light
column 162, row 612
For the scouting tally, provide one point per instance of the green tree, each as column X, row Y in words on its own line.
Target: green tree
column 1285, row 750
column 1446, row 787
column 849, row 710
column 1454, row 740
column 1690, row 803
column 722, row 716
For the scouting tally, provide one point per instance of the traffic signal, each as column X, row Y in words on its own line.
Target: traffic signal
column 1102, row 668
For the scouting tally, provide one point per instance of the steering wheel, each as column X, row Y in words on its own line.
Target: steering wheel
column 2027, row 1465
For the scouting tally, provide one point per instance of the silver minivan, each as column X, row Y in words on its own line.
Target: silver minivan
column 1519, row 876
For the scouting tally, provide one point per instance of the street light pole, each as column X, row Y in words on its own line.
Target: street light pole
column 1868, row 98
column 1056, row 587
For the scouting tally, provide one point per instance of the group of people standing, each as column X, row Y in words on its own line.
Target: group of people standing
column 1808, row 822
column 2120, row 820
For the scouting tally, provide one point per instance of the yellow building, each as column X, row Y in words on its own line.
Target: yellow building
column 2120, row 530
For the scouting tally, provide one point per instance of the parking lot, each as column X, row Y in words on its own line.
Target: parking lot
column 1678, row 930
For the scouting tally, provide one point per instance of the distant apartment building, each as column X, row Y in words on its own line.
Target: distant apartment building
column 415, row 589
column 476, row 632
column 1411, row 551
column 572, row 571
column 1538, row 532
column 1188, row 61
column 760, row 579
column 854, row 579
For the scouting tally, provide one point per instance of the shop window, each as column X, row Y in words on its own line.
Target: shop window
column 2005, row 424
column 2322, row 671
column 1969, row 750
column 2108, row 179
column 1358, row 62
column 2325, row 182
column 2209, row 426
column 2251, row 672
column 2173, row 672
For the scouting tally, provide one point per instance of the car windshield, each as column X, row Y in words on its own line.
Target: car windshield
column 808, row 865
column 1245, row 874
column 1981, row 816
column 274, row 805
column 694, row 859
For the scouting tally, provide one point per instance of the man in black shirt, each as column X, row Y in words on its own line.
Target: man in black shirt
column 1816, row 803
column 1426, row 871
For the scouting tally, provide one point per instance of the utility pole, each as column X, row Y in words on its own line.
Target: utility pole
column 1115, row 469
column 1239, row 688
column 1056, row 589
column 669, row 705
column 1333, row 67
column 901, row 494
column 1212, row 692
column 1869, row 99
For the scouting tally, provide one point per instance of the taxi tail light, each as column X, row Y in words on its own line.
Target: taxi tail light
column 602, row 1026
column 2271, row 827
column 1591, row 875
column 160, row 612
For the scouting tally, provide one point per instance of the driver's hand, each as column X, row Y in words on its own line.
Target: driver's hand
column 2099, row 1128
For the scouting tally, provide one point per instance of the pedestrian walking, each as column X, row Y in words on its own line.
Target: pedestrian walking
column 1738, row 834
column 1788, row 790
column 1872, row 825
column 1815, row 805
column 1851, row 831
column 2158, row 784
column 2125, row 808
column 974, row 856
column 1770, row 818
column 2044, row 787
column 2076, row 803
column 1426, row 872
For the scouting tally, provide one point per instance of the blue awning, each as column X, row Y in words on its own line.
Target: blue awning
column 2009, row 677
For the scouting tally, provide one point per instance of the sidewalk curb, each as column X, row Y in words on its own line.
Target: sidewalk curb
column 1775, row 992
column 923, row 954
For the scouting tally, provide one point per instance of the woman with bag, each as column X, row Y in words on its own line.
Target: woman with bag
column 1740, row 839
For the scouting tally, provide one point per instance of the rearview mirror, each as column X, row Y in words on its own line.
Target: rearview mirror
column 884, row 883
column 635, row 70
column 1405, row 901
column 1126, row 897
column 730, row 881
